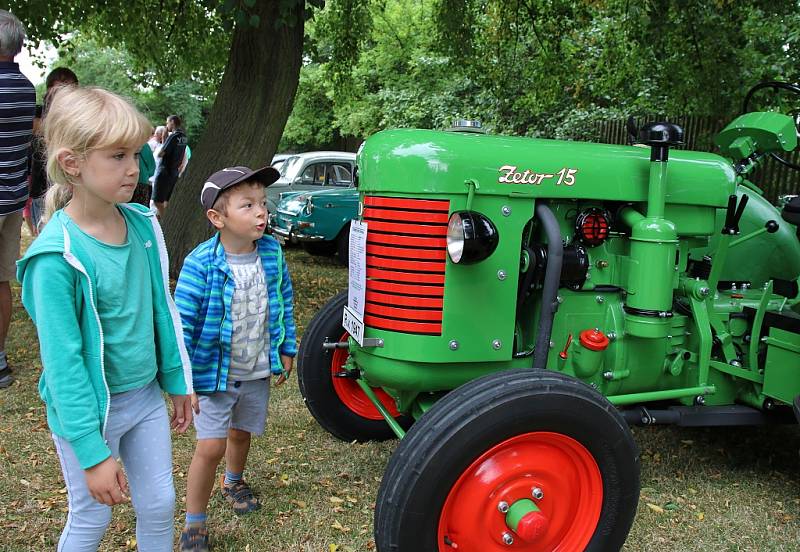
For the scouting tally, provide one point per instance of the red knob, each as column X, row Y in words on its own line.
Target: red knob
column 532, row 526
column 594, row 340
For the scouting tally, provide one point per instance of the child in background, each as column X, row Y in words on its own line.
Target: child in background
column 235, row 299
column 95, row 284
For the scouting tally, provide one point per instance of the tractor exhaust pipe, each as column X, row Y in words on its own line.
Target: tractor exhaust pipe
column 552, row 279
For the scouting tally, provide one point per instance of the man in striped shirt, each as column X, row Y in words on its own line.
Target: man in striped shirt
column 17, row 106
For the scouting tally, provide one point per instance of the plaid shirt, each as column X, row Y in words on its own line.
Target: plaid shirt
column 204, row 295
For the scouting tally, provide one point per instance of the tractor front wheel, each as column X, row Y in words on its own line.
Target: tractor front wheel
column 528, row 458
column 335, row 400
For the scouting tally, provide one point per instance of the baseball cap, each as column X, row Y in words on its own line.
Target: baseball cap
column 230, row 176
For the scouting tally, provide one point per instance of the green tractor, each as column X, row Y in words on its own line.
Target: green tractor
column 523, row 302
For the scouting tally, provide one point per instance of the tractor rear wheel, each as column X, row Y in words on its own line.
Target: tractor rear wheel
column 525, row 457
column 338, row 403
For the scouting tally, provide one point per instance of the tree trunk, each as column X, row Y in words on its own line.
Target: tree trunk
column 246, row 122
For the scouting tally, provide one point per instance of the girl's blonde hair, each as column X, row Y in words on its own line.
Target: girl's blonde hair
column 82, row 120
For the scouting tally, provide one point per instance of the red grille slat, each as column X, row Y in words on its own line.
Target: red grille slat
column 404, row 300
column 432, row 328
column 409, row 229
column 401, row 289
column 412, row 241
column 406, row 262
column 394, row 276
column 425, row 217
column 407, row 253
column 442, row 206
column 410, row 314
column 400, row 264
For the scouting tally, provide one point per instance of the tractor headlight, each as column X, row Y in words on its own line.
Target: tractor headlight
column 471, row 237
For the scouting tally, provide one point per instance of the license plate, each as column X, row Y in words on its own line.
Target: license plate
column 354, row 325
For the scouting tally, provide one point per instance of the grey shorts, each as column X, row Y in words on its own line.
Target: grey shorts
column 242, row 406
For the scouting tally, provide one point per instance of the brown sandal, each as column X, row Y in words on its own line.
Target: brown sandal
column 240, row 496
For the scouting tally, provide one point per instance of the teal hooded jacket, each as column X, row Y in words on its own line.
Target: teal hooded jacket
column 58, row 291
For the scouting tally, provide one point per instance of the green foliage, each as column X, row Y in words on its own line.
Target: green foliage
column 541, row 67
column 112, row 68
column 312, row 116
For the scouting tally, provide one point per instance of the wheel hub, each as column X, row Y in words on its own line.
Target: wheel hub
column 537, row 491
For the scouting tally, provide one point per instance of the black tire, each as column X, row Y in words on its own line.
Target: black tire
column 316, row 382
column 320, row 249
column 483, row 413
column 343, row 246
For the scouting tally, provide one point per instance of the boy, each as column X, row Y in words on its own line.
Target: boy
column 235, row 299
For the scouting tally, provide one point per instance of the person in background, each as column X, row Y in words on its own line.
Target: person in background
column 58, row 77
column 147, row 168
column 17, row 110
column 171, row 155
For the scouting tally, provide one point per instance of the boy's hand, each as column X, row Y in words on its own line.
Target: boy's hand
column 181, row 412
column 286, row 361
column 195, row 404
column 107, row 483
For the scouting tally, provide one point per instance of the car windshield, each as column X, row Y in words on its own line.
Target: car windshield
column 291, row 167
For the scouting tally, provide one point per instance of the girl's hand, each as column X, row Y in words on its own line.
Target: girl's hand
column 181, row 412
column 286, row 361
column 107, row 483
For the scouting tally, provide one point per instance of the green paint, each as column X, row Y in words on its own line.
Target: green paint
column 518, row 510
column 668, row 216
column 399, row 431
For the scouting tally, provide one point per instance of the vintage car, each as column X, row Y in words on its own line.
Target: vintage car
column 318, row 220
column 313, row 170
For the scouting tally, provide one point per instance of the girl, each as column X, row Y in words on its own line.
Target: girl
column 95, row 284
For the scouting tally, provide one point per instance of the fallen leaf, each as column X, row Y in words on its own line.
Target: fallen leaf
column 656, row 508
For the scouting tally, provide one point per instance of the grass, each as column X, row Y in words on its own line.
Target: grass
column 702, row 489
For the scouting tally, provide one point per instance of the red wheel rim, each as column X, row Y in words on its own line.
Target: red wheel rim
column 560, row 466
column 351, row 394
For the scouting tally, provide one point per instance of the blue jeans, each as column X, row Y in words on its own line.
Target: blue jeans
column 138, row 432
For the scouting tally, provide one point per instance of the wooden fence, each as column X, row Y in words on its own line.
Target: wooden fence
column 772, row 177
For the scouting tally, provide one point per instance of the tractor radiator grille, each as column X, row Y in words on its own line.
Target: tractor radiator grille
column 406, row 250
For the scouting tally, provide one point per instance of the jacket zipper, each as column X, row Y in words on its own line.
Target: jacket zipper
column 221, row 328
column 75, row 263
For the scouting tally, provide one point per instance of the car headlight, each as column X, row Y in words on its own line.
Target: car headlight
column 471, row 237
column 309, row 207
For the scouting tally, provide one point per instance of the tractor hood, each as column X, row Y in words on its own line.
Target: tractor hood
column 439, row 163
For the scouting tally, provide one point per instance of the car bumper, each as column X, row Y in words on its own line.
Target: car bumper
column 292, row 236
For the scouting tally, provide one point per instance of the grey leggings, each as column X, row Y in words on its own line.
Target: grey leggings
column 138, row 432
